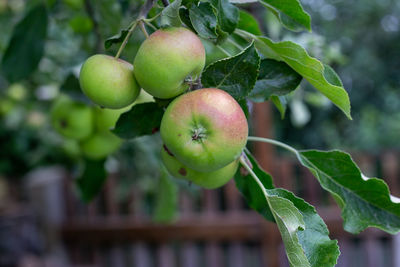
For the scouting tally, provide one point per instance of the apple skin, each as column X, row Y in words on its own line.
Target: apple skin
column 166, row 59
column 72, row 119
column 205, row 129
column 100, row 145
column 105, row 119
column 109, row 82
column 208, row 180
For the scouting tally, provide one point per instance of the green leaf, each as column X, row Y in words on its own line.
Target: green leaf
column 185, row 17
column 91, row 181
column 275, row 78
column 167, row 199
column 170, row 15
column 116, row 39
column 290, row 13
column 248, row 23
column 204, row 20
column 304, row 233
column 250, row 189
column 236, row 75
column 26, row 45
column 365, row 202
column 142, row 119
column 310, row 68
column 290, row 222
column 280, row 103
column 227, row 15
column 331, row 76
column 319, row 249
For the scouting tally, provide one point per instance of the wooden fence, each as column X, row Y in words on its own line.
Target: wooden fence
column 218, row 229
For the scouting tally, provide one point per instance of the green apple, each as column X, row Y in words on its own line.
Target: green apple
column 72, row 119
column 209, row 180
column 166, row 59
column 105, row 119
column 109, row 82
column 100, row 145
column 205, row 129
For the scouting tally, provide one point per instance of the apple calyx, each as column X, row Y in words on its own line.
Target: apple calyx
column 199, row 133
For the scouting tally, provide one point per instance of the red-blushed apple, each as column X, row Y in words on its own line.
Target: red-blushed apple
column 208, row 180
column 109, row 82
column 205, row 129
column 166, row 59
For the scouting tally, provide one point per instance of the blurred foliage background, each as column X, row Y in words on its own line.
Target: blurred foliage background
column 360, row 40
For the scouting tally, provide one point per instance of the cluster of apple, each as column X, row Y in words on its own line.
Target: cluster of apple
column 204, row 131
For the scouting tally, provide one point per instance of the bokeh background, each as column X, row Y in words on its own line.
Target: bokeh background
column 42, row 220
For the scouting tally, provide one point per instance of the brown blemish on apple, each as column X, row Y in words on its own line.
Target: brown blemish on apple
column 167, row 150
column 182, row 171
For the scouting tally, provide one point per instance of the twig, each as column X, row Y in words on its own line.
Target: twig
column 90, row 11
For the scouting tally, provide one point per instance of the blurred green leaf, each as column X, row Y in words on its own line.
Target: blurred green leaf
column 26, row 45
column 280, row 103
column 142, row 119
column 166, row 200
column 91, row 181
column 72, row 88
column 248, row 23
column 236, row 75
column 275, row 78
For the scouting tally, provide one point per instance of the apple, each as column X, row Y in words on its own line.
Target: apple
column 108, row 82
column 205, row 129
column 105, row 119
column 100, row 145
column 209, row 180
column 166, row 59
column 72, row 119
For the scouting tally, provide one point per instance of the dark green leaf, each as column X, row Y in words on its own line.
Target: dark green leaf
column 185, row 17
column 26, row 46
column 91, row 181
column 365, row 202
column 275, row 78
column 248, row 23
column 189, row 3
column 236, row 75
column 142, row 119
column 204, row 20
column 318, row 247
column 116, row 39
column 170, row 15
column 250, row 189
column 310, row 68
column 167, row 199
column 72, row 88
column 290, row 13
column 227, row 14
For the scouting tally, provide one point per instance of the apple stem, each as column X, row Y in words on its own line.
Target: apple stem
column 274, row 142
column 132, row 27
column 143, row 28
column 142, row 16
